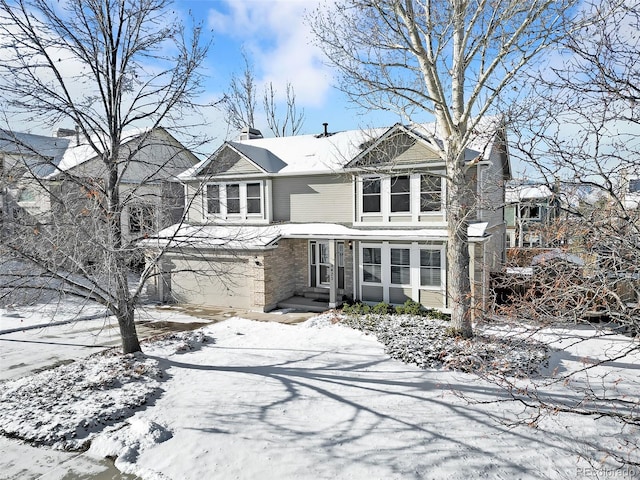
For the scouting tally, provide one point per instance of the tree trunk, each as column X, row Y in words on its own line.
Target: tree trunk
column 128, row 334
column 459, row 206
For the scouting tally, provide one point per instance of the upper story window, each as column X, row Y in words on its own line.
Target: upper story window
column 254, row 198
column 141, row 218
column 408, row 198
column 213, row 199
column 634, row 185
column 238, row 200
column 233, row 198
column 371, row 195
column 430, row 193
column 530, row 212
column 400, row 194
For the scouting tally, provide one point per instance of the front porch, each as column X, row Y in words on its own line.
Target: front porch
column 304, row 304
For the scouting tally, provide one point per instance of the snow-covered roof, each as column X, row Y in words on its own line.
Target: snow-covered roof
column 251, row 237
column 47, row 157
column 519, row 193
column 308, row 154
column 557, row 255
column 260, row 156
column 36, row 150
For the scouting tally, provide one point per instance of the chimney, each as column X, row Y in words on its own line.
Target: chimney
column 65, row 132
column 249, row 133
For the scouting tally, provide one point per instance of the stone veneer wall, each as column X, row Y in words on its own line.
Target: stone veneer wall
column 285, row 271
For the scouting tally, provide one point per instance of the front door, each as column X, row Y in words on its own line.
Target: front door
column 320, row 266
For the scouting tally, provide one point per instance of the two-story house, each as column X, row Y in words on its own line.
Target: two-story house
column 529, row 212
column 350, row 215
column 39, row 171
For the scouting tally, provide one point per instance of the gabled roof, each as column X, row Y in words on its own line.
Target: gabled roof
column 262, row 157
column 47, row 157
column 301, row 154
column 37, row 151
column 317, row 154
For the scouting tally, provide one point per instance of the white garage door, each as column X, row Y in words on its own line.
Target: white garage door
column 218, row 282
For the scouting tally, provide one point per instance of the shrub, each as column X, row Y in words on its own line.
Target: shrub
column 410, row 308
column 382, row 308
column 357, row 308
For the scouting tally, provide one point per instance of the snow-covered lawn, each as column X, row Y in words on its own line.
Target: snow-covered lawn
column 245, row 399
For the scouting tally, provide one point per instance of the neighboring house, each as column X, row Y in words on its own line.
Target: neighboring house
column 631, row 191
column 530, row 210
column 329, row 217
column 39, row 170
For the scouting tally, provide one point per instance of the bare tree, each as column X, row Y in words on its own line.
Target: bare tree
column 447, row 60
column 292, row 121
column 104, row 66
column 581, row 131
column 239, row 102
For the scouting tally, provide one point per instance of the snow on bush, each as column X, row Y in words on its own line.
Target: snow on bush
column 428, row 343
column 127, row 443
column 65, row 407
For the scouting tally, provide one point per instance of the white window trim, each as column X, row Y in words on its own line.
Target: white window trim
column 243, row 215
column 443, row 267
column 414, row 265
column 413, row 216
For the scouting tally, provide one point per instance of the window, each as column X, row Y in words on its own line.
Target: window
column 530, row 211
column 254, row 199
column 401, row 198
column 400, row 194
column 400, row 266
column 430, row 268
column 371, row 195
column 372, row 265
column 634, row 185
column 140, row 218
column 340, row 263
column 213, row 199
column 27, row 195
column 233, row 198
column 430, row 193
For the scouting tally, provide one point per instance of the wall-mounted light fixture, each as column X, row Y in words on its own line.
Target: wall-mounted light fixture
column 350, row 243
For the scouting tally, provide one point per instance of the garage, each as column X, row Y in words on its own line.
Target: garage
column 219, row 282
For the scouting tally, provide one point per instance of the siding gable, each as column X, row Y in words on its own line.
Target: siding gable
column 229, row 162
column 399, row 149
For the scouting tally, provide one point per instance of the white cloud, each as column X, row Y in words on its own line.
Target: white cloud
column 278, row 41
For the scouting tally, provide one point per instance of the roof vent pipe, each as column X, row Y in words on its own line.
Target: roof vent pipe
column 326, row 131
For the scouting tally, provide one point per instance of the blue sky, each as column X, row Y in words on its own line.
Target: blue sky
column 277, row 40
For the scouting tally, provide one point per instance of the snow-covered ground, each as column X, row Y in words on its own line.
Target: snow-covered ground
column 245, row 399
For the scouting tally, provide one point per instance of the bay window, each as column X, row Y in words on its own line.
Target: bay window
column 407, row 198
column 235, row 200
